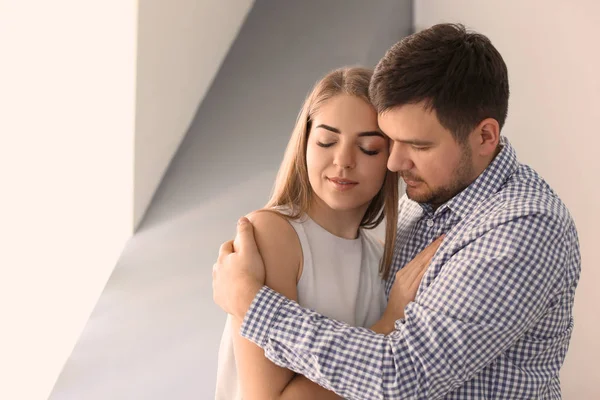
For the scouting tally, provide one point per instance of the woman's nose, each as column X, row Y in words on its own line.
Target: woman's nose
column 344, row 158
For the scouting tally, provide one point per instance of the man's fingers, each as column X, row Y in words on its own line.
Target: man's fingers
column 244, row 239
column 225, row 250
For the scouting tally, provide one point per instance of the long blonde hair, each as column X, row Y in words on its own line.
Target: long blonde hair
column 292, row 187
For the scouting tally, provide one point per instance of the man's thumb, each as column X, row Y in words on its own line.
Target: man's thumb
column 244, row 239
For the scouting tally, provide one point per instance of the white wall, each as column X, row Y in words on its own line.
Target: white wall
column 155, row 331
column 552, row 52
column 181, row 47
column 67, row 99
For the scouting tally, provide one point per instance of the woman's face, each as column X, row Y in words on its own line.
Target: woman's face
column 346, row 154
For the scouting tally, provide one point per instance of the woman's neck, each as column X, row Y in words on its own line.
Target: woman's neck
column 342, row 223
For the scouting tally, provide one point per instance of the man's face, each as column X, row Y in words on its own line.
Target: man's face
column 434, row 166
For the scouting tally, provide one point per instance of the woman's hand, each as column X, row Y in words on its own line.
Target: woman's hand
column 405, row 287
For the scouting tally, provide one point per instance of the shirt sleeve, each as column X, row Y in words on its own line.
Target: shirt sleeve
column 487, row 295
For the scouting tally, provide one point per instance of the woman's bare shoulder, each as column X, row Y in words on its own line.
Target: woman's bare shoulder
column 277, row 240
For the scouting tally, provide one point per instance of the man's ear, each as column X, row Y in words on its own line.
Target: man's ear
column 487, row 137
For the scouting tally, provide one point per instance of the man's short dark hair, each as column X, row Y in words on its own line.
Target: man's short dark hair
column 455, row 72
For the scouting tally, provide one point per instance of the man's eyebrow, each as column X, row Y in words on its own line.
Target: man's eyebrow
column 361, row 134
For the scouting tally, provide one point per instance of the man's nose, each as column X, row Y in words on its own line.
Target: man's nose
column 399, row 159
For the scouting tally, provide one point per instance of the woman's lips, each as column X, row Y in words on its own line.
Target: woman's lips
column 342, row 184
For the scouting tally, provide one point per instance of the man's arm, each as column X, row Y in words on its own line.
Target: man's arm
column 486, row 297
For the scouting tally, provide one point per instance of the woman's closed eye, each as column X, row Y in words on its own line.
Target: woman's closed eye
column 321, row 144
column 369, row 152
column 364, row 150
column 372, row 145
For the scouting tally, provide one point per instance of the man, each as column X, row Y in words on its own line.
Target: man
column 492, row 317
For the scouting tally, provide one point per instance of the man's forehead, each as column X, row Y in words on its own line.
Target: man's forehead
column 410, row 125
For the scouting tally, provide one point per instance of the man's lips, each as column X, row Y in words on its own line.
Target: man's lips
column 411, row 182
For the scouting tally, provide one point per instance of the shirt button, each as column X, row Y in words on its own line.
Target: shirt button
column 430, row 223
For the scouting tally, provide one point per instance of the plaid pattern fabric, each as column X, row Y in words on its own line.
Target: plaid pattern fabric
column 493, row 315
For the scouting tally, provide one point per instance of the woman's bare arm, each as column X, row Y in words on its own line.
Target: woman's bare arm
column 260, row 379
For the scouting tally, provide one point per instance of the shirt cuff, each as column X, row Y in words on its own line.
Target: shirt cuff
column 259, row 318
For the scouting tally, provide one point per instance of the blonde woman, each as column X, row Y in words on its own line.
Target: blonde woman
column 333, row 185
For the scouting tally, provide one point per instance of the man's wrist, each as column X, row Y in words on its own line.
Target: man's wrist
column 264, row 309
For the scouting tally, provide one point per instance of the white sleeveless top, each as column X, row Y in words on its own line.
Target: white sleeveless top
column 340, row 279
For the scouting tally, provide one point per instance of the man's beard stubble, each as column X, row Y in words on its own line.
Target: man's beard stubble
column 463, row 177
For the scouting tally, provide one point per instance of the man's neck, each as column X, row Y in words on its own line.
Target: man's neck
column 476, row 174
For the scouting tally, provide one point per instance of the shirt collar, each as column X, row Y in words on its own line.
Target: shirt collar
column 486, row 184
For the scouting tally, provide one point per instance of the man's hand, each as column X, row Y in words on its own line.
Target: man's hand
column 405, row 287
column 239, row 272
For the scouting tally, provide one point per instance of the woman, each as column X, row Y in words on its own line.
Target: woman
column 332, row 186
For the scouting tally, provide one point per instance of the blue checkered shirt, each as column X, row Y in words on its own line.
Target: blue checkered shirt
column 492, row 318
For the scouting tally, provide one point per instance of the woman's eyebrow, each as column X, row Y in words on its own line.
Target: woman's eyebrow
column 361, row 134
column 329, row 128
